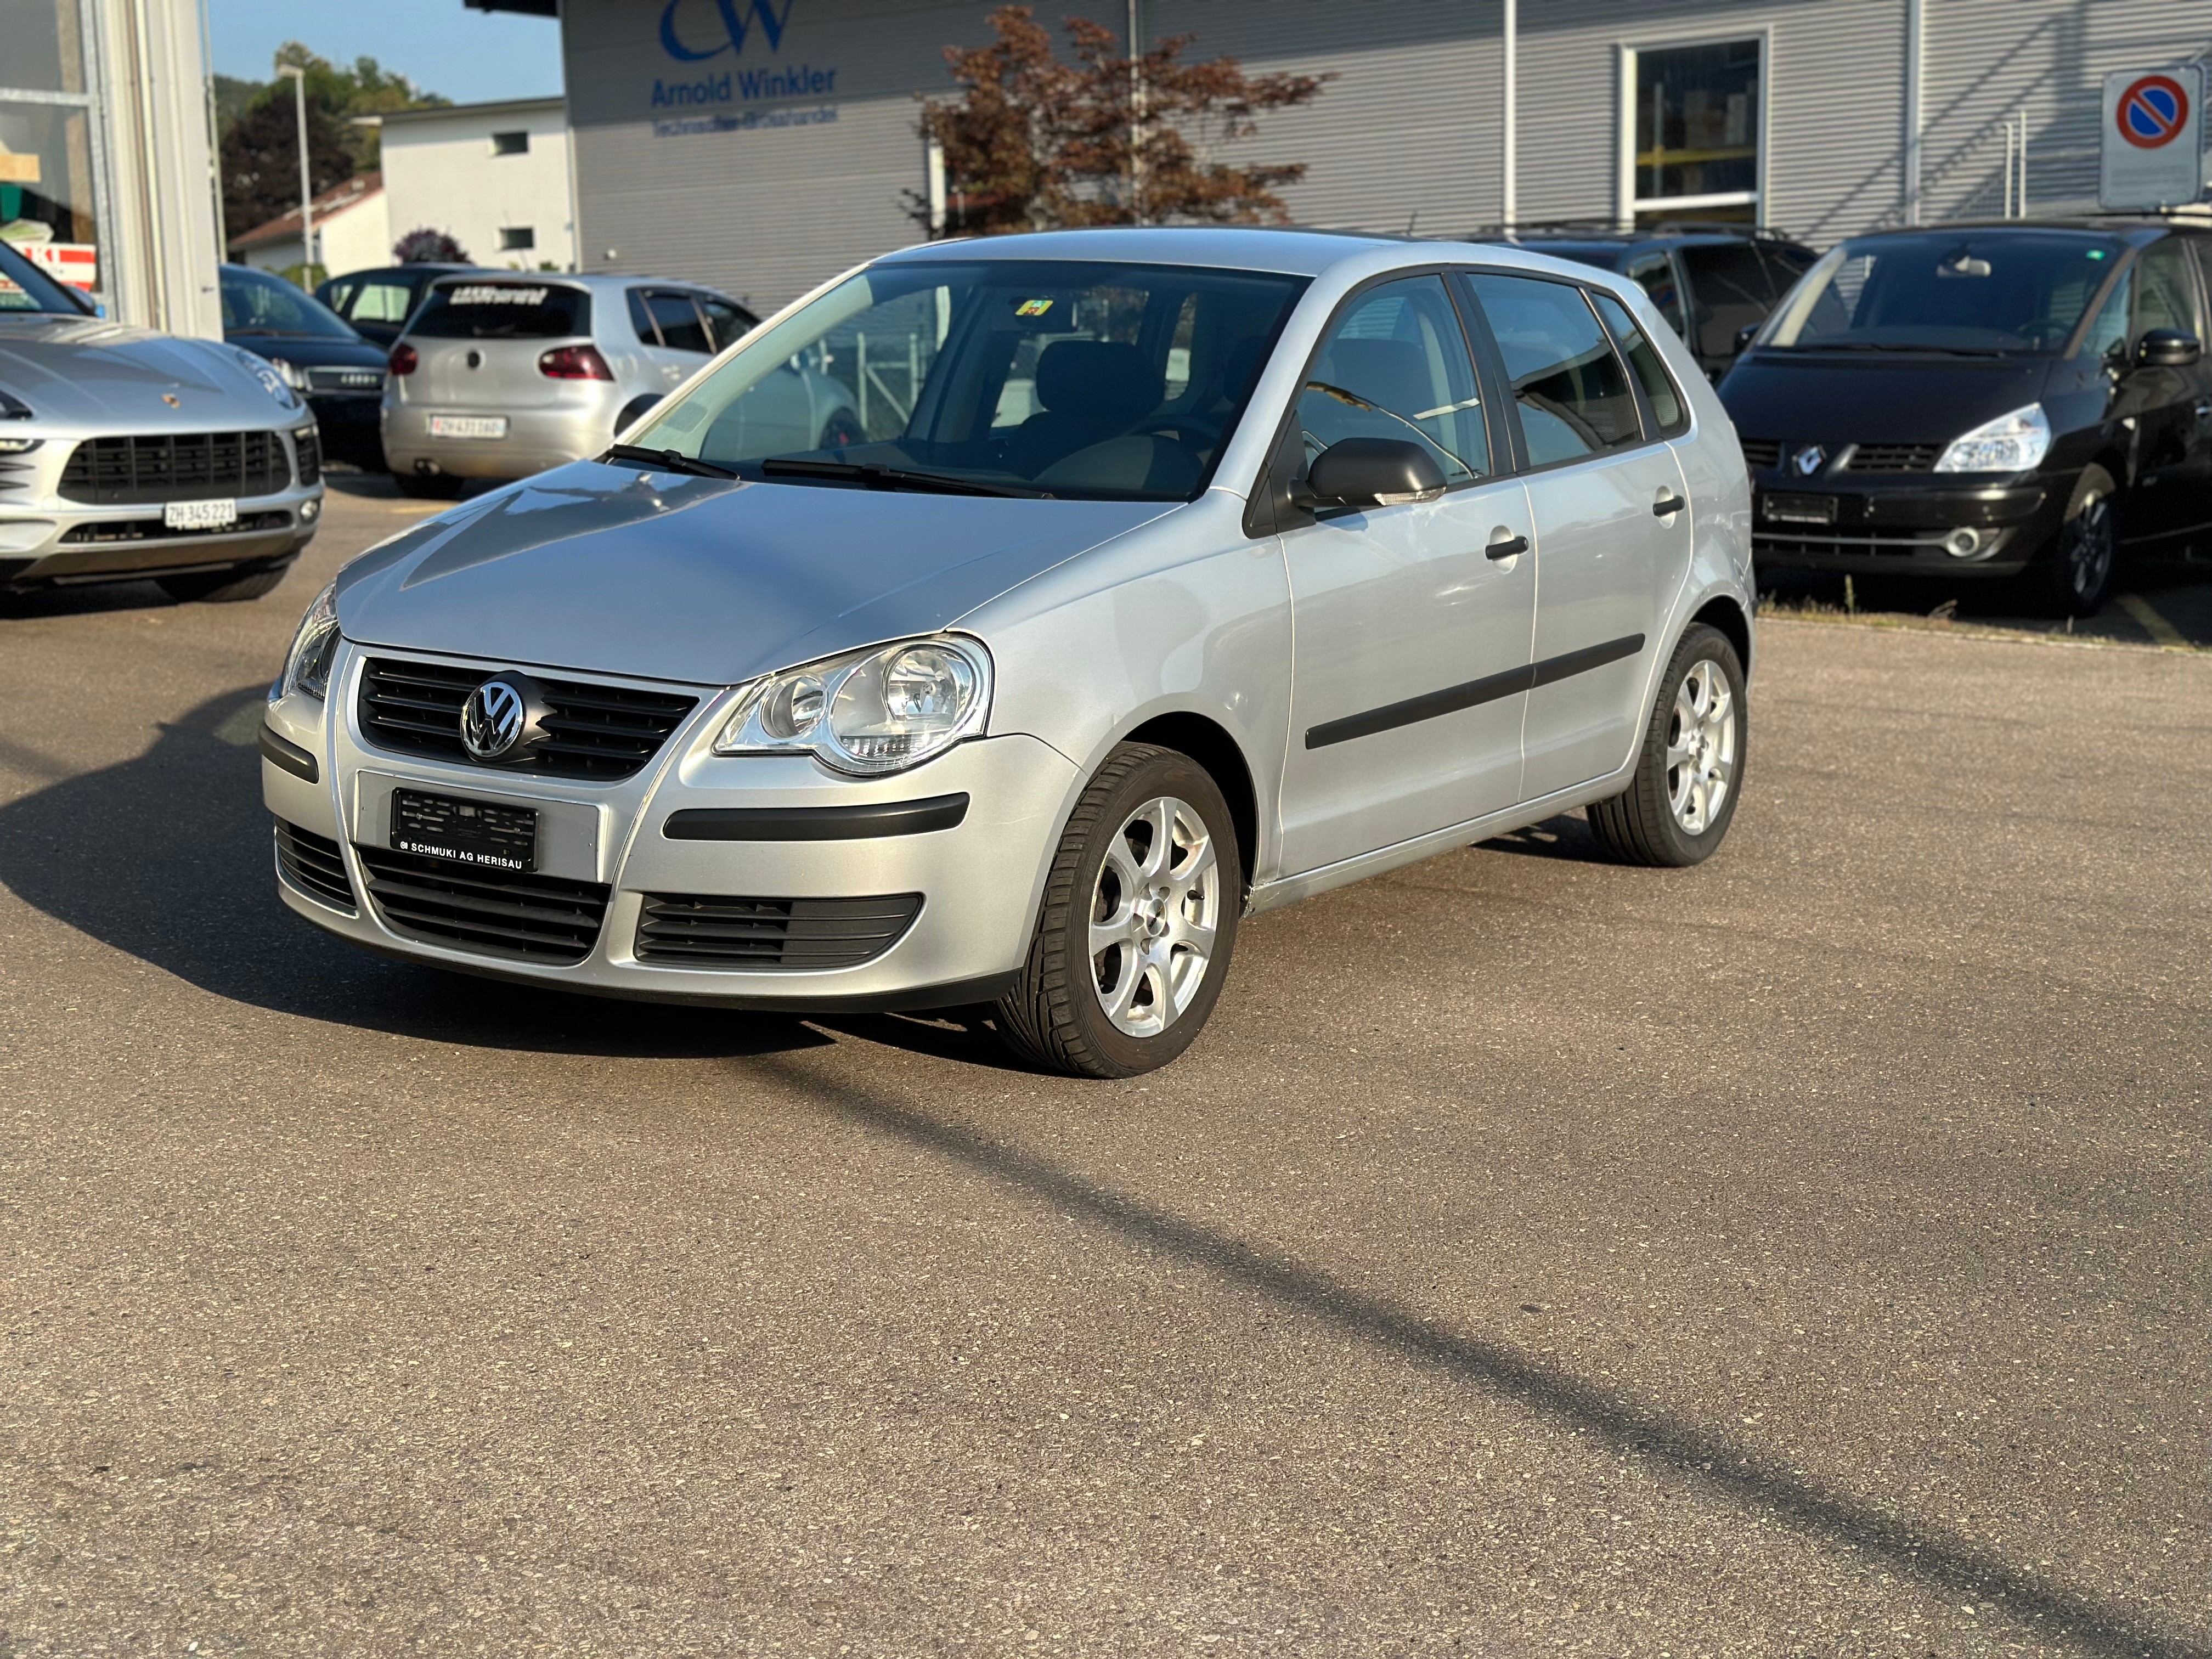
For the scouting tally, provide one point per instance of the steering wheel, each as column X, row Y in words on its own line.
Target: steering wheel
column 1183, row 428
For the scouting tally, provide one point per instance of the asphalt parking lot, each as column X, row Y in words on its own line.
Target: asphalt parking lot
column 1803, row 1254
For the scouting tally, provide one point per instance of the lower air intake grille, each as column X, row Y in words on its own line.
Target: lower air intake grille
column 538, row 918
column 1761, row 455
column 186, row 466
column 1894, row 458
column 712, row 931
column 309, row 444
column 314, row 864
column 597, row 732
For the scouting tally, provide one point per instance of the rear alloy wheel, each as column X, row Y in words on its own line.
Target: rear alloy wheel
column 1690, row 772
column 2078, row 573
column 1138, row 925
column 222, row 587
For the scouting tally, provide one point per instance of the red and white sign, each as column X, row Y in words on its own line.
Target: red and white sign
column 76, row 264
column 2153, row 150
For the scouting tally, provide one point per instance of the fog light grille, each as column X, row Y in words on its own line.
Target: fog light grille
column 709, row 931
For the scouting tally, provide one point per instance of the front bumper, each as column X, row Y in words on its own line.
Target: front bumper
column 979, row 879
column 1901, row 526
column 536, row 439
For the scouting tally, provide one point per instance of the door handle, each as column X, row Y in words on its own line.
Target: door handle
column 1512, row 548
column 1667, row 505
column 2204, row 409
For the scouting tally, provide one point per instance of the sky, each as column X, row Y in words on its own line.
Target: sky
column 470, row 57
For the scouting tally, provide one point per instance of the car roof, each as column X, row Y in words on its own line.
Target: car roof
column 1292, row 251
column 2135, row 230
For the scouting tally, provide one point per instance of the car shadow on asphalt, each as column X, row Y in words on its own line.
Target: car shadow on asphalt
column 1921, row 1552
column 84, row 600
column 168, row 857
column 1566, row 836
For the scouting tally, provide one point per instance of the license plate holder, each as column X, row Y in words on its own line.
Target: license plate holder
column 487, row 835
column 468, row 426
column 1798, row 509
column 199, row 516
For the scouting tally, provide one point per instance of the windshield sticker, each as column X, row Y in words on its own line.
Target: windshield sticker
column 1032, row 307
column 487, row 293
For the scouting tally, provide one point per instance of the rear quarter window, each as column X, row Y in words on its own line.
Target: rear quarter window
column 503, row 311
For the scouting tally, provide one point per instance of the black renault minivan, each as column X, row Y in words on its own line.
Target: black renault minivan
column 2018, row 398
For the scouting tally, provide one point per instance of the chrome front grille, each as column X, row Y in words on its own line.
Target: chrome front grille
column 184, row 466
column 599, row 733
column 345, row 379
column 537, row 918
column 705, row 930
column 315, row 864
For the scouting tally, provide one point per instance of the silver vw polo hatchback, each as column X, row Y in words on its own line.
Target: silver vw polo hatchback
column 1170, row 576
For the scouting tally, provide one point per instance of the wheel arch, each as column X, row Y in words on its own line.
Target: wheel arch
column 1211, row 744
column 1724, row 612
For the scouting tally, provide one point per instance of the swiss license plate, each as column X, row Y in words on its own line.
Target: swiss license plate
column 465, row 831
column 1799, row 509
column 199, row 516
column 468, row 426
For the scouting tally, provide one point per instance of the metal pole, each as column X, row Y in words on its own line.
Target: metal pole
column 1510, row 181
column 1916, row 47
column 1136, row 117
column 2022, row 194
column 306, row 187
column 2008, row 168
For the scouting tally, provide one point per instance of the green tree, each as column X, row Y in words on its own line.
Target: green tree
column 1033, row 143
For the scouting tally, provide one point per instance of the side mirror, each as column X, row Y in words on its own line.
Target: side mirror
column 634, row 409
column 1371, row 472
column 1743, row 337
column 2166, row 348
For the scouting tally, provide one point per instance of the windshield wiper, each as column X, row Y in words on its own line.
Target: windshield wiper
column 895, row 477
column 667, row 460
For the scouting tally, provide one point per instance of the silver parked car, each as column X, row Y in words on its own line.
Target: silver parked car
column 1175, row 575
column 502, row 376
column 126, row 454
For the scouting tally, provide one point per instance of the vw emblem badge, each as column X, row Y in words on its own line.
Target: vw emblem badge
column 1807, row 460
column 499, row 716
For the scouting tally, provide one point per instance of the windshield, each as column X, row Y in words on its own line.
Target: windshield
column 24, row 287
column 1102, row 382
column 255, row 303
column 502, row 311
column 1981, row 292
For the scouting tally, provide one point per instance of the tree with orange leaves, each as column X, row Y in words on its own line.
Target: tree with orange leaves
column 1033, row 143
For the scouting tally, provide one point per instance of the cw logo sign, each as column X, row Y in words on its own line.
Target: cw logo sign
column 737, row 17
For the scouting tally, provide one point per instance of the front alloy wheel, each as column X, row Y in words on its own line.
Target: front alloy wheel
column 1139, row 922
column 1689, row 772
column 2080, row 569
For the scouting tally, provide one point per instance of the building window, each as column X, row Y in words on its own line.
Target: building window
column 49, row 150
column 1693, row 132
column 516, row 238
column 510, row 143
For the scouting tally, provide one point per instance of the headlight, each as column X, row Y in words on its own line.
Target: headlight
column 273, row 381
column 875, row 711
column 314, row 647
column 2010, row 443
column 294, row 376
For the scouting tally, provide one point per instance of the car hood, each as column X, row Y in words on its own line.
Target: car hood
column 107, row 377
column 701, row 580
column 313, row 350
column 1847, row 398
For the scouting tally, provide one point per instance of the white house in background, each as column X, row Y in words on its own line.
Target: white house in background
column 352, row 230
column 494, row 177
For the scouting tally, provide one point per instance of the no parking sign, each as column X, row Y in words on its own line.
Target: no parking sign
column 2154, row 138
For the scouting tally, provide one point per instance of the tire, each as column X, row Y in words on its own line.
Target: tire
column 231, row 586
column 1159, row 977
column 430, row 486
column 1664, row 817
column 2079, row 572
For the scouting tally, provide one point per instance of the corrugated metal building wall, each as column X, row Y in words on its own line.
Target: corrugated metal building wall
column 766, row 196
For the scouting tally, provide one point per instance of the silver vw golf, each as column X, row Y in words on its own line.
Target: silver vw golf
column 1171, row 576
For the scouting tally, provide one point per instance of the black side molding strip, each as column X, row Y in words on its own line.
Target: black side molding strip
column 1489, row 689
column 289, row 757
column 890, row 817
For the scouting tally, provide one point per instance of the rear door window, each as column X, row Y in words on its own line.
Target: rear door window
column 678, row 320
column 1569, row 383
column 1729, row 287
column 726, row 323
column 503, row 311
